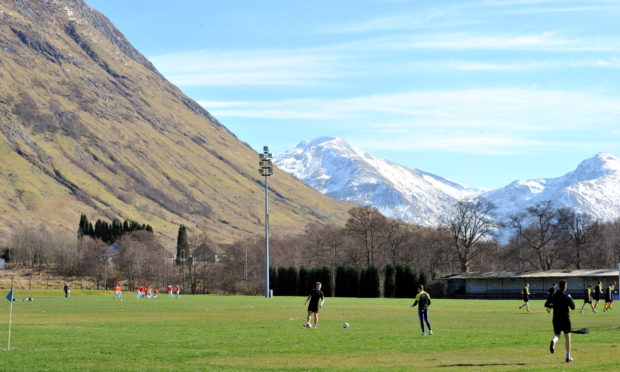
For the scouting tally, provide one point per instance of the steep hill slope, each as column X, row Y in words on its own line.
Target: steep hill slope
column 87, row 125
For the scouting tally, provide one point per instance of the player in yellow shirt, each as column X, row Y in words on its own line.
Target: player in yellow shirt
column 423, row 301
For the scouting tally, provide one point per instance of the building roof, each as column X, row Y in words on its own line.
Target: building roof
column 533, row 274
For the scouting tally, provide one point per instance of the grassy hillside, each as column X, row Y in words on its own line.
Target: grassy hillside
column 89, row 126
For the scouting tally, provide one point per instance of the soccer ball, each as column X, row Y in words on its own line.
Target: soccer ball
column 307, row 325
column 345, row 325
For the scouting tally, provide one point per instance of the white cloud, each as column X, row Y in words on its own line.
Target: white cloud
column 253, row 67
column 469, row 120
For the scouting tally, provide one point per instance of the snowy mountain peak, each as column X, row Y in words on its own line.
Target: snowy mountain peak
column 342, row 171
column 316, row 141
column 345, row 172
column 601, row 165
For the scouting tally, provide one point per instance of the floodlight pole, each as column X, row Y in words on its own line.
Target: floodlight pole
column 266, row 170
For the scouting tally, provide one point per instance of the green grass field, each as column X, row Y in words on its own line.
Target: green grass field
column 94, row 332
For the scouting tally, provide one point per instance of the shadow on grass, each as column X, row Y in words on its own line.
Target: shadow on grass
column 480, row 365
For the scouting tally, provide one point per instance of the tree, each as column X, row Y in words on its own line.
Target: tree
column 469, row 223
column 581, row 233
column 365, row 224
column 182, row 246
column 389, row 285
column 324, row 244
column 536, row 232
column 369, row 282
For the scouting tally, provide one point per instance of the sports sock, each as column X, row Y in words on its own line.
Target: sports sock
column 567, row 354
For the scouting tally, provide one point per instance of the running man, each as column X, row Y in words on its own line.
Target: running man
column 423, row 301
column 587, row 299
column 169, row 289
column 561, row 303
column 609, row 296
column 526, row 297
column 598, row 292
column 314, row 305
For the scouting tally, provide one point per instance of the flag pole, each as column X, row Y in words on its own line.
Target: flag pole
column 11, row 311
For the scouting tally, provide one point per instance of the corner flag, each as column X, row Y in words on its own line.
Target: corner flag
column 11, row 299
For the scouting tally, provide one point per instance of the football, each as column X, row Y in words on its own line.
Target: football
column 345, row 325
column 307, row 325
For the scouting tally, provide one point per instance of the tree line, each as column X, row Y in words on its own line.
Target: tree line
column 109, row 232
column 369, row 245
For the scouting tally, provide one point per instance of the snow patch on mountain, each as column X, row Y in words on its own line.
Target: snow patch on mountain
column 342, row 171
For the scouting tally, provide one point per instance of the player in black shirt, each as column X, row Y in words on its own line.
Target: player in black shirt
column 561, row 303
column 525, row 292
column 609, row 296
column 550, row 293
column 598, row 292
column 314, row 305
column 587, row 299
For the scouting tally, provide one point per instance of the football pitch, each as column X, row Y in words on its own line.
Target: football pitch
column 90, row 332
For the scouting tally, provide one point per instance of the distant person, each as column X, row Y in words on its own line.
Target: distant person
column 169, row 289
column 67, row 290
column 525, row 292
column 423, row 301
column 609, row 296
column 550, row 293
column 155, row 293
column 178, row 291
column 587, row 299
column 317, row 299
column 117, row 292
column 598, row 293
column 562, row 302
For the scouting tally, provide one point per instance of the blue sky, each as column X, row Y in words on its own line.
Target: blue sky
column 481, row 92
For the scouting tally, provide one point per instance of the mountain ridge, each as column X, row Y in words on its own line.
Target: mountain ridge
column 338, row 169
column 88, row 125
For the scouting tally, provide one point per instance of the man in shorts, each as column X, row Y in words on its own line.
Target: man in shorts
column 598, row 292
column 526, row 297
column 117, row 292
column 587, row 299
column 423, row 301
column 562, row 302
column 316, row 299
column 609, row 296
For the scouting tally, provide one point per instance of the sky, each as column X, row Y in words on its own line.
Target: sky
column 481, row 92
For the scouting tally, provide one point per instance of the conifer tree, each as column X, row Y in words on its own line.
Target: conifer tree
column 182, row 246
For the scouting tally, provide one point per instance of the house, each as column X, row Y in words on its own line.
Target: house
column 508, row 284
column 209, row 252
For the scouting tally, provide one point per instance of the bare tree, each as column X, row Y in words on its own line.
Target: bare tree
column 396, row 236
column 536, row 231
column 581, row 234
column 470, row 222
column 364, row 226
column 325, row 243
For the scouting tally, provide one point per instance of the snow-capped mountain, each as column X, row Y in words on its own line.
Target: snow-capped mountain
column 592, row 188
column 344, row 172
